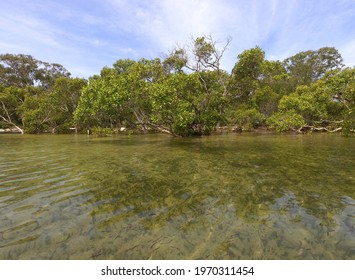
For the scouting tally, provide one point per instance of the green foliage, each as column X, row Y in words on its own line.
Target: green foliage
column 27, row 97
column 102, row 131
column 36, row 110
column 24, row 70
column 315, row 103
column 328, row 100
column 342, row 86
column 246, row 73
column 176, row 61
column 285, row 121
column 180, row 103
column 274, row 76
column 308, row 66
column 203, row 51
column 252, row 75
column 119, row 96
column 172, row 102
column 247, row 118
column 250, row 63
column 98, row 102
column 64, row 98
column 122, row 65
column 349, row 122
column 266, row 100
column 310, row 104
column 10, row 99
column 145, row 95
column 52, row 110
column 185, row 94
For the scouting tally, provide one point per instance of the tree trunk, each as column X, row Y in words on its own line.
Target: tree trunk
column 8, row 119
column 14, row 125
column 307, row 128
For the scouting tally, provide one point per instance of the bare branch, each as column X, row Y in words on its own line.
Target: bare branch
column 6, row 112
column 8, row 120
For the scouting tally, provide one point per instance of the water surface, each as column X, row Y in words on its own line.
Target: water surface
column 155, row 197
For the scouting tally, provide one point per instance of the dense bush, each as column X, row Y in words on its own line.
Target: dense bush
column 185, row 94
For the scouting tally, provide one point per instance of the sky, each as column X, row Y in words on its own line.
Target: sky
column 87, row 35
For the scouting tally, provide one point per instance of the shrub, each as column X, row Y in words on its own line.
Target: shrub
column 286, row 120
column 247, row 118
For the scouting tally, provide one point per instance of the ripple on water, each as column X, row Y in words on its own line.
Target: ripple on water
column 153, row 197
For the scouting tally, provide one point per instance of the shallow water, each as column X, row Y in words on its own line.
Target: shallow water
column 242, row 196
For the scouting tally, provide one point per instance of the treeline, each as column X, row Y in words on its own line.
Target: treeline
column 36, row 96
column 185, row 93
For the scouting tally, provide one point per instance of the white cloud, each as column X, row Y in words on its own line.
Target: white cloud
column 281, row 28
column 271, row 24
column 165, row 23
column 348, row 53
column 31, row 29
column 101, row 32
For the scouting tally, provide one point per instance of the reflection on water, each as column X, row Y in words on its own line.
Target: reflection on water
column 156, row 197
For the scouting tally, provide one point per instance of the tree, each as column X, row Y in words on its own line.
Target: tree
column 342, row 87
column 24, row 70
column 201, row 56
column 285, row 120
column 120, row 97
column 327, row 103
column 246, row 74
column 246, row 117
column 180, row 103
column 176, row 61
column 64, row 98
column 47, row 74
column 308, row 66
column 274, row 76
column 187, row 93
column 265, row 100
column 202, row 59
column 36, row 110
column 18, row 70
column 20, row 76
column 10, row 99
column 255, row 87
column 173, row 104
column 123, row 65
column 101, row 101
column 151, row 94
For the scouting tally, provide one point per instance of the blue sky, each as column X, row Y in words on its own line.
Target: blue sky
column 86, row 35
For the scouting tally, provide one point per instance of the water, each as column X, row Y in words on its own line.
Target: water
column 155, row 197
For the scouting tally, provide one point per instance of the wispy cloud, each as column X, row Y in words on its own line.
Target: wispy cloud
column 86, row 35
column 348, row 52
column 281, row 28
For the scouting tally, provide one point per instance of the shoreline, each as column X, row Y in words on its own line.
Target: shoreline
column 219, row 131
column 9, row 131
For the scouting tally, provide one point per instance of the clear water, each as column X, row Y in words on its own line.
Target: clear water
column 242, row 196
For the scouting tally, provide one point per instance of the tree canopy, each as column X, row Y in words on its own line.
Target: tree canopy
column 185, row 93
